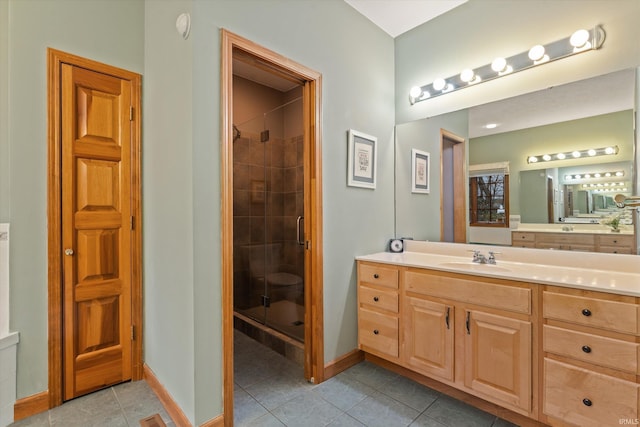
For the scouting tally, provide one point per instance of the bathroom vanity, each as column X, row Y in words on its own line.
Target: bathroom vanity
column 586, row 238
column 551, row 335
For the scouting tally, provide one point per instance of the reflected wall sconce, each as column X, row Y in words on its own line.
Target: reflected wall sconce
column 576, row 154
column 579, row 41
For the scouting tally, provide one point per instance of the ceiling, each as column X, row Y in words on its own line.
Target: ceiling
column 399, row 16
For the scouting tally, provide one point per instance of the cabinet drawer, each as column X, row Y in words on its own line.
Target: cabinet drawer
column 598, row 313
column 585, row 398
column 566, row 238
column 384, row 300
column 591, row 348
column 504, row 297
column 520, row 236
column 616, row 250
column 378, row 333
column 613, row 240
column 379, row 275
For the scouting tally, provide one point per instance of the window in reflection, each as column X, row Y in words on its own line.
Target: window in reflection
column 489, row 200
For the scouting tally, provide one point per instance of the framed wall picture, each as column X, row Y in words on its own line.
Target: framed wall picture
column 362, row 160
column 419, row 171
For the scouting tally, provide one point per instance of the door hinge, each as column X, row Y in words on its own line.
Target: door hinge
column 133, row 222
column 133, row 332
column 130, row 113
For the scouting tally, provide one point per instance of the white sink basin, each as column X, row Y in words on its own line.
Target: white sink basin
column 474, row 266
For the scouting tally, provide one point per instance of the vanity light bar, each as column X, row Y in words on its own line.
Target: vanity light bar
column 569, row 155
column 579, row 41
column 592, row 175
column 605, row 184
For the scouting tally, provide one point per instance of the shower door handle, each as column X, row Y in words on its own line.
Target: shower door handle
column 300, row 230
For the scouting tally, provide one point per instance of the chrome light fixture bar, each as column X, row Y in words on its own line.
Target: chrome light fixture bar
column 592, row 175
column 580, row 41
column 576, row 154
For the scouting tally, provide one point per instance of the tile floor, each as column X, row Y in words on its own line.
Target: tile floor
column 270, row 390
column 120, row 406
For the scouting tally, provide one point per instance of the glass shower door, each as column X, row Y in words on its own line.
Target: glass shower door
column 269, row 219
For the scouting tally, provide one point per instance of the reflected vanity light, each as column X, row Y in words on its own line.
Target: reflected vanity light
column 580, row 41
column 591, row 175
column 569, row 155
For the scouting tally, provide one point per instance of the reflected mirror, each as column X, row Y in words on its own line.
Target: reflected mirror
column 592, row 113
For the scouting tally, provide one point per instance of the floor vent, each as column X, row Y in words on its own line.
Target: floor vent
column 152, row 421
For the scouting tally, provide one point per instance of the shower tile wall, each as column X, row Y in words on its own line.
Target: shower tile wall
column 268, row 179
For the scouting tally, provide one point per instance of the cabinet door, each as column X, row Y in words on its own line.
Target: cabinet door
column 428, row 337
column 498, row 357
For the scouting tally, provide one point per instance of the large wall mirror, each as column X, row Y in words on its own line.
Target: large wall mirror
column 593, row 113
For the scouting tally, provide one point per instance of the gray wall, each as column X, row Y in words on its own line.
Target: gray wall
column 28, row 28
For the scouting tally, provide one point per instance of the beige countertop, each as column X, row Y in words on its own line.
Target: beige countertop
column 613, row 273
column 625, row 230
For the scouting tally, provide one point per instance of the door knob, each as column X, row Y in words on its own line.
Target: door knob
column 68, row 251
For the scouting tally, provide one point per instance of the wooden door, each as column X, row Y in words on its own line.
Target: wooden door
column 429, row 337
column 498, row 358
column 96, row 229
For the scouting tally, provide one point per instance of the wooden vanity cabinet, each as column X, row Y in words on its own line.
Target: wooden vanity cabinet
column 378, row 310
column 470, row 332
column 591, row 358
column 568, row 241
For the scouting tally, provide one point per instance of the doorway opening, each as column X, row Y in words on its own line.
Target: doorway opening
column 271, row 202
column 453, row 200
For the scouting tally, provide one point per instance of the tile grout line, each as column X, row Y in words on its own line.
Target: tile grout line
column 113, row 390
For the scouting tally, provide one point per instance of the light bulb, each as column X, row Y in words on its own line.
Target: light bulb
column 609, row 150
column 499, row 65
column 533, row 159
column 439, row 84
column 576, row 154
column 591, row 152
column 619, row 173
column 415, row 92
column 467, row 75
column 536, row 53
column 546, row 157
column 579, row 38
column 560, row 156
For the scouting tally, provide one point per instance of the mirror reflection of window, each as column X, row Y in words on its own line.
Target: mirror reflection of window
column 489, row 195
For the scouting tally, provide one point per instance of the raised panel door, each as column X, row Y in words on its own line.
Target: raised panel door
column 428, row 346
column 96, row 230
column 498, row 358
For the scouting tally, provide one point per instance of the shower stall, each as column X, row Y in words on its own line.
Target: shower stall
column 268, row 219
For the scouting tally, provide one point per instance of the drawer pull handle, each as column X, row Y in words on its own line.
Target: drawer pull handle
column 376, row 332
column 586, row 312
column 586, row 349
column 468, row 323
column 615, row 241
column 587, row 402
column 446, row 318
column 375, row 276
column 376, row 299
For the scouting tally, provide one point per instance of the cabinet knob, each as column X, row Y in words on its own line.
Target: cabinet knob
column 376, row 299
column 586, row 349
column 68, row 252
column 586, row 312
column 587, row 402
column 375, row 276
column 376, row 332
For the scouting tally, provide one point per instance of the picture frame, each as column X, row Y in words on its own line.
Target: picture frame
column 420, row 171
column 362, row 158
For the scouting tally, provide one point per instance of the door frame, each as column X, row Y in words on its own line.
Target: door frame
column 459, row 186
column 312, row 92
column 55, row 59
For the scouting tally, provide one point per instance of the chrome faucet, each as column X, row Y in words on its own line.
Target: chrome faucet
column 478, row 257
column 481, row 259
